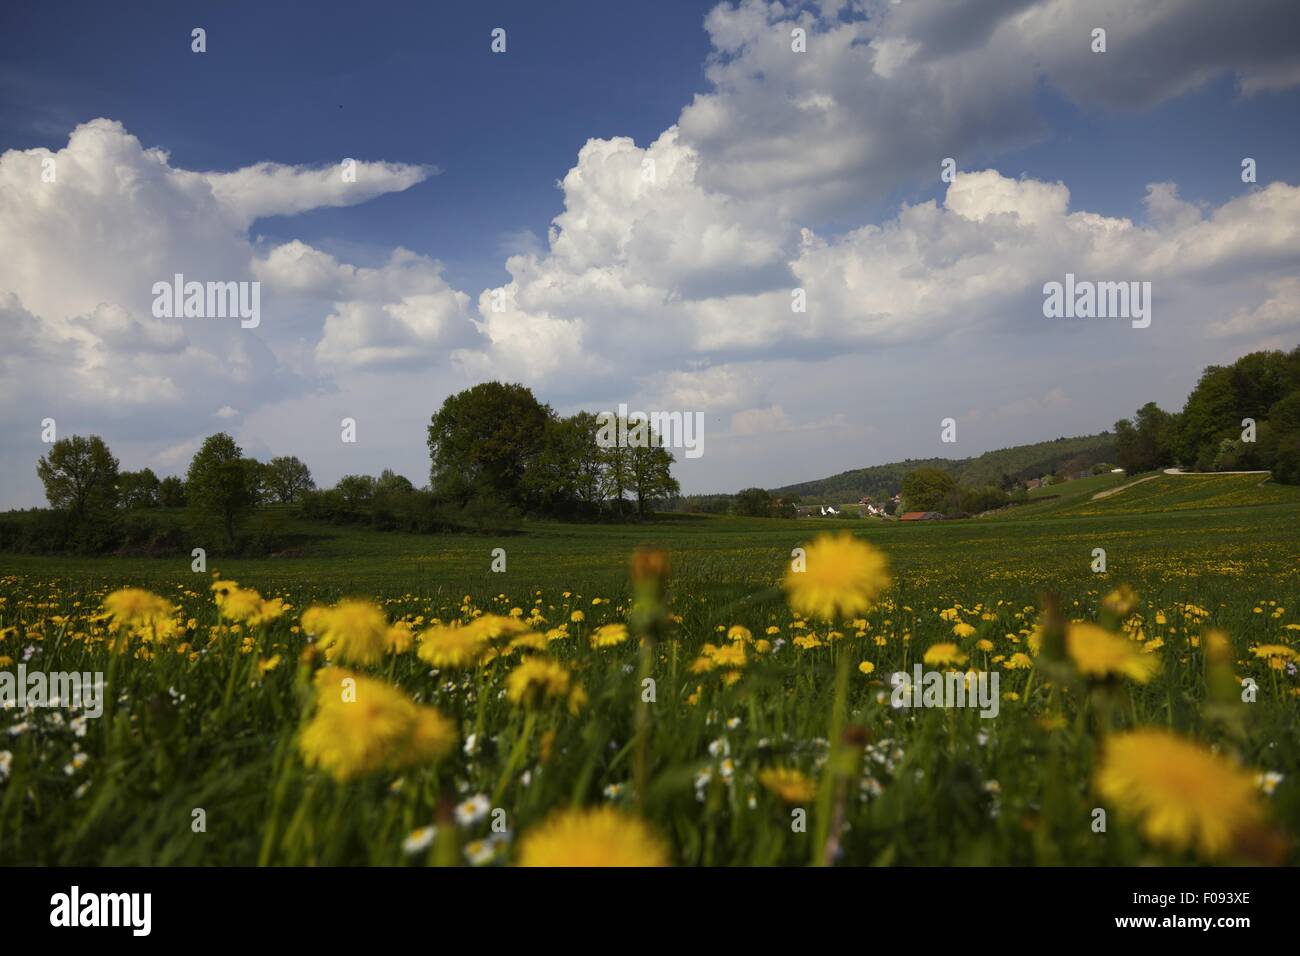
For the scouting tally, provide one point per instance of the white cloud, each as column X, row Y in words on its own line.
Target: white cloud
column 78, row 337
column 884, row 93
column 1280, row 312
column 273, row 189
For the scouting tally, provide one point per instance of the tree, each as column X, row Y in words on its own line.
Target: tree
column 752, row 503
column 930, row 489
column 357, row 491
column 978, row 500
column 566, row 469
column 616, row 468
column 171, row 492
column 80, row 476
column 651, row 474
column 286, row 478
column 221, row 483
column 138, row 489
column 1147, row 442
column 1284, row 440
column 482, row 441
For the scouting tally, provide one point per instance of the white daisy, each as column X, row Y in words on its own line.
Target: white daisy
column 419, row 840
column 471, row 811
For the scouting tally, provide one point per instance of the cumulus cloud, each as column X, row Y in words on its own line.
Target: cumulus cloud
column 1279, row 313
column 89, row 228
column 886, row 90
column 400, row 313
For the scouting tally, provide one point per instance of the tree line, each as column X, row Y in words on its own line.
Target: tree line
column 1239, row 417
column 496, row 455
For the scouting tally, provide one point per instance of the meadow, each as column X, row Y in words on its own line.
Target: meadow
column 504, row 717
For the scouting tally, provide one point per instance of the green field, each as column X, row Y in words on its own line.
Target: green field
column 206, row 727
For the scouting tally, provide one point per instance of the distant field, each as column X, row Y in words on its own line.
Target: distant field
column 1080, row 486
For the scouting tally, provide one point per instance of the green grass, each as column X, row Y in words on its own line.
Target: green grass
column 939, row 786
column 1080, row 486
column 1167, row 493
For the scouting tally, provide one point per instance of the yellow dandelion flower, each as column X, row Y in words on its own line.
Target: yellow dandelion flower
column 1099, row 654
column 867, row 667
column 842, row 576
column 399, row 638
column 1121, row 601
column 362, row 725
column 944, row 654
column 1275, row 650
column 599, row 837
column 137, row 607
column 352, row 631
column 453, row 647
column 536, row 681
column 1183, row 795
column 790, row 785
column 609, row 635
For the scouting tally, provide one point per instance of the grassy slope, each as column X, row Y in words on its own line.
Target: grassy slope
column 1190, row 492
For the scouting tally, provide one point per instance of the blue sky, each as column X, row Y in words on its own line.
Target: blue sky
column 313, row 82
column 775, row 169
column 308, row 82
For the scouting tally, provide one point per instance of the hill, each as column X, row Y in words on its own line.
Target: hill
column 991, row 468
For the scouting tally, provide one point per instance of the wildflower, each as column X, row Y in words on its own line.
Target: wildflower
column 399, row 638
column 609, row 635
column 453, row 647
column 138, row 607
column 419, row 840
column 1018, row 661
column 471, row 811
column 352, row 631
column 1268, row 781
column 598, row 837
column 790, row 785
column 1184, row 795
column 577, row 617
column 78, row 761
column 370, row 726
column 1122, row 601
column 962, row 630
column 1099, row 654
column 538, row 680
column 1275, row 651
column 842, row 576
column 867, row 667
column 945, row 654
column 479, row 852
